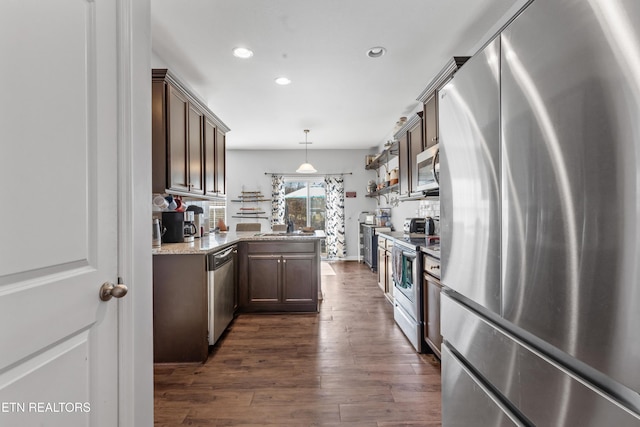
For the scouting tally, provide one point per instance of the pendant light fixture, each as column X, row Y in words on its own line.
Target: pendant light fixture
column 306, row 167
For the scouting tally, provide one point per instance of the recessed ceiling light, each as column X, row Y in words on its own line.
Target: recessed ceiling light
column 242, row 52
column 283, row 81
column 376, row 52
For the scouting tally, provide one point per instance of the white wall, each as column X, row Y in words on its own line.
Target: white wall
column 246, row 171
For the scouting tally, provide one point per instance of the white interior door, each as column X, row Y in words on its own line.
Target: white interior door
column 58, row 213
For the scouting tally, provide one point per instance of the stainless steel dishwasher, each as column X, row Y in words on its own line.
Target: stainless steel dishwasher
column 221, row 272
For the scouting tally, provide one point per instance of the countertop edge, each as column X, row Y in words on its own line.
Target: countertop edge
column 216, row 242
column 424, row 248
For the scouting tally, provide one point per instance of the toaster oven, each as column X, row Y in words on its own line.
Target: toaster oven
column 414, row 226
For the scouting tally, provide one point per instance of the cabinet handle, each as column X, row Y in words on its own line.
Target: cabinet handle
column 435, row 138
column 278, row 261
column 284, row 261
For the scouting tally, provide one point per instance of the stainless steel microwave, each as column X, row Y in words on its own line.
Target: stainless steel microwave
column 428, row 166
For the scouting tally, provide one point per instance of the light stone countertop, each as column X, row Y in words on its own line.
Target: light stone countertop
column 431, row 247
column 214, row 242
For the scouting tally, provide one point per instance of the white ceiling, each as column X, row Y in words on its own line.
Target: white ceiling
column 345, row 98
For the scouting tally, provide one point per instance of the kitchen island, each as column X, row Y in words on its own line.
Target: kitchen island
column 274, row 272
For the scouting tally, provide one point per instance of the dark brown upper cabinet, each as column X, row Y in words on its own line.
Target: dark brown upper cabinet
column 404, row 171
column 221, row 163
column 188, row 141
column 410, row 143
column 430, row 122
column 177, row 172
column 416, row 144
column 429, row 99
column 195, row 156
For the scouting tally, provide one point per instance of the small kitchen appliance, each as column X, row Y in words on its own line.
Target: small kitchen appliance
column 200, row 226
column 158, row 231
column 198, row 220
column 174, row 224
column 190, row 229
column 428, row 165
column 430, row 231
column 414, row 227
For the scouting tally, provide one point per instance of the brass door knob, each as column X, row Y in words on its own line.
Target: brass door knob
column 109, row 290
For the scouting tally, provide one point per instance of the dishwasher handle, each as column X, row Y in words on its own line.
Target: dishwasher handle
column 218, row 259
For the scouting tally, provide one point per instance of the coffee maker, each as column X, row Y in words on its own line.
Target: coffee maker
column 173, row 222
column 199, row 220
column 189, row 228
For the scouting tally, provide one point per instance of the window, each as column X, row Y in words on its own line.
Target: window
column 305, row 202
column 217, row 211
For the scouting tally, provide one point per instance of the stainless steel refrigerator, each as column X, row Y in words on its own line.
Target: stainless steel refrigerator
column 540, row 232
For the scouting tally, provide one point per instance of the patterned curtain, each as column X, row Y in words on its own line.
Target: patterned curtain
column 277, row 199
column 334, row 223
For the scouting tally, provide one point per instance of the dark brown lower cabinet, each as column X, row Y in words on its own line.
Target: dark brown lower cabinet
column 279, row 276
column 431, row 293
column 385, row 275
column 180, row 308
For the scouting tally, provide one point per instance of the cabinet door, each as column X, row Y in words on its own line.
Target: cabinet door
column 415, row 147
column 263, row 278
column 403, row 166
column 382, row 268
column 220, row 162
column 180, row 306
column 177, row 178
column 390, row 287
column 432, row 333
column 209, row 157
column 367, row 246
column 195, row 155
column 299, row 282
column 431, row 122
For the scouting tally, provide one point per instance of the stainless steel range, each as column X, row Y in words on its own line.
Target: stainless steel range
column 407, row 270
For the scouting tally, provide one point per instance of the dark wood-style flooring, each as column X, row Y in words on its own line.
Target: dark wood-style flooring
column 348, row 365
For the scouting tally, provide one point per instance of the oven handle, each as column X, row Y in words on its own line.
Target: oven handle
column 412, row 255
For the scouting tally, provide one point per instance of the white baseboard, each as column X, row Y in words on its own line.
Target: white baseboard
column 347, row 258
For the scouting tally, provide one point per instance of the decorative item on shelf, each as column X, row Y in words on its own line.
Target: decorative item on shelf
column 382, row 186
column 399, row 124
column 251, row 196
column 394, row 176
column 252, row 211
column 306, row 167
column 383, row 217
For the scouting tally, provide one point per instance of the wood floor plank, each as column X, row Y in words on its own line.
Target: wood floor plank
column 393, row 411
column 347, row 366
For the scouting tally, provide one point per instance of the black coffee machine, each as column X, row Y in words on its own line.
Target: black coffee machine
column 174, row 223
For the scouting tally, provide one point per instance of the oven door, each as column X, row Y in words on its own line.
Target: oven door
column 428, row 166
column 407, row 283
column 407, row 298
